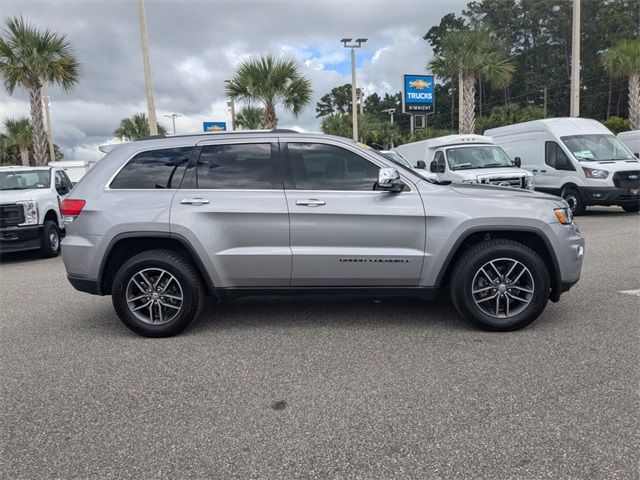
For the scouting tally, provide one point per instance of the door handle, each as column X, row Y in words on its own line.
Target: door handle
column 543, row 171
column 312, row 202
column 194, row 201
column 534, row 170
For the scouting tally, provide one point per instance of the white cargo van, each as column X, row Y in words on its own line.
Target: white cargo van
column 75, row 169
column 466, row 159
column 578, row 159
column 632, row 141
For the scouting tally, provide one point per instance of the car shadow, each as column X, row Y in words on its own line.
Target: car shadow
column 19, row 257
column 605, row 212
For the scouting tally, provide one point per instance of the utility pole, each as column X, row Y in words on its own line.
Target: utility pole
column 574, row 109
column 460, row 100
column 153, row 123
column 545, row 102
column 354, row 107
column 52, row 152
column 173, row 117
column 232, row 108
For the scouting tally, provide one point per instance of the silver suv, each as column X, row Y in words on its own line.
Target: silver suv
column 160, row 223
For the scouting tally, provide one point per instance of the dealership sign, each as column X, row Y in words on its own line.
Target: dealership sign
column 214, row 126
column 418, row 97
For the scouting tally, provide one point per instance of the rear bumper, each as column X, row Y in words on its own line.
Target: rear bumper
column 609, row 196
column 86, row 285
column 18, row 239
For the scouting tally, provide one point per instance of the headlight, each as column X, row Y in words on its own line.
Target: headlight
column 595, row 173
column 30, row 212
column 529, row 183
column 564, row 215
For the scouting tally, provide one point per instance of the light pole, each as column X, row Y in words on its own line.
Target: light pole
column 390, row 111
column 574, row 103
column 354, row 108
column 153, row 123
column 173, row 117
column 52, row 152
column 232, row 108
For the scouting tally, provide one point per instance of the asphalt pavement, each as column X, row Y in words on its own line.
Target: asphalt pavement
column 312, row 387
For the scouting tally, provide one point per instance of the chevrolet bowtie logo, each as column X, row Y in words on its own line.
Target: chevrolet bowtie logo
column 419, row 84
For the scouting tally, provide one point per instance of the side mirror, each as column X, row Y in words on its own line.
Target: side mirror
column 62, row 189
column 421, row 165
column 517, row 162
column 389, row 180
column 432, row 166
column 441, row 168
column 637, row 154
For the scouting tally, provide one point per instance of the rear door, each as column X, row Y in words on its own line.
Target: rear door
column 343, row 232
column 232, row 209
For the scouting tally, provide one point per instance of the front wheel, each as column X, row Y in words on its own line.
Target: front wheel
column 575, row 201
column 157, row 293
column 500, row 285
column 50, row 241
column 631, row 208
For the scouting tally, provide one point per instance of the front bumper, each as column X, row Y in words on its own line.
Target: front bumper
column 18, row 239
column 610, row 196
column 568, row 244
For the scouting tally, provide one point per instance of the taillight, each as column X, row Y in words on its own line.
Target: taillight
column 71, row 208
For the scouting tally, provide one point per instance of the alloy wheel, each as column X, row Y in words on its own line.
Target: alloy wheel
column 502, row 288
column 154, row 296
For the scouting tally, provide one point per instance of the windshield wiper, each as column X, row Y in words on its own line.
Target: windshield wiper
column 15, row 188
column 493, row 165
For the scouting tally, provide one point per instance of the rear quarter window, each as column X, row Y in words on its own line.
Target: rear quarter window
column 152, row 169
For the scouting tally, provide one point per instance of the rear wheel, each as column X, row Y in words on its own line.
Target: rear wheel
column 575, row 201
column 50, row 241
column 157, row 293
column 500, row 285
column 631, row 208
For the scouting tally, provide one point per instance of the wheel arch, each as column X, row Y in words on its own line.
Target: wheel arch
column 532, row 237
column 51, row 215
column 125, row 245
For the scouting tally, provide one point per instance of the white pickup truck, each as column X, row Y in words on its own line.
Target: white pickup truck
column 30, row 217
column 467, row 159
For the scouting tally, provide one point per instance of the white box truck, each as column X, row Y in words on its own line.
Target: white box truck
column 466, row 159
column 578, row 159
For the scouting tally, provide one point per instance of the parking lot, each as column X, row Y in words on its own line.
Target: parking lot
column 325, row 387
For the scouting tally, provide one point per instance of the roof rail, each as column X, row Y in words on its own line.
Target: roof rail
column 221, row 132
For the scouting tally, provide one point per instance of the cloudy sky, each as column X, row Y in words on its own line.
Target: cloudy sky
column 196, row 45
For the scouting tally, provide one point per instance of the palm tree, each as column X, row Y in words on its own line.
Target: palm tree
column 29, row 58
column 467, row 54
column 623, row 61
column 337, row 124
column 19, row 134
column 270, row 82
column 135, row 128
column 250, row 118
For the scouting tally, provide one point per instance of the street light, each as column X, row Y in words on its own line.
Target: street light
column 390, row 111
column 354, row 109
column 173, row 117
column 232, row 107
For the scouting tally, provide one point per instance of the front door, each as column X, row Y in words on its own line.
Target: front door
column 231, row 207
column 343, row 232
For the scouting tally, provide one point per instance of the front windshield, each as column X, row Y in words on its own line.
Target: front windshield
column 482, row 156
column 24, row 179
column 592, row 148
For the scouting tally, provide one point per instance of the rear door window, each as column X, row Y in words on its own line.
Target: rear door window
column 246, row 166
column 154, row 169
column 555, row 157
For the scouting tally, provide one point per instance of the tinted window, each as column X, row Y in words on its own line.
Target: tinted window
column 555, row 157
column 438, row 163
column 315, row 166
column 154, row 169
column 24, row 179
column 240, row 166
column 62, row 184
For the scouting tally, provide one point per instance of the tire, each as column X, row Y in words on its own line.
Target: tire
column 172, row 307
column 50, row 240
column 631, row 208
column 575, row 201
column 532, row 275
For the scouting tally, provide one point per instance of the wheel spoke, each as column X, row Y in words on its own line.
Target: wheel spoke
column 518, row 298
column 142, row 289
column 172, row 297
column 507, row 305
column 486, row 274
column 151, row 311
column 484, row 289
column 497, row 305
column 146, row 280
column 136, row 298
column 511, row 269
column 521, row 289
column 488, row 298
column 166, row 285
column 140, row 307
column 155, row 285
column 524, row 269
column 495, row 269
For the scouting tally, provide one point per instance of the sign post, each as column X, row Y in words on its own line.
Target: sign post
column 418, row 96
